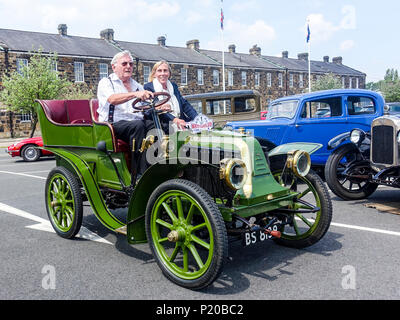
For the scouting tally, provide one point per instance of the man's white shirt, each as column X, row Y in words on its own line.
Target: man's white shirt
column 122, row 111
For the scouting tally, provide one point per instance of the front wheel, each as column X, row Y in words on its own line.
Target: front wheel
column 347, row 174
column 186, row 233
column 64, row 202
column 30, row 153
column 312, row 211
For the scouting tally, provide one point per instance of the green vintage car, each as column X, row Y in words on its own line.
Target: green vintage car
column 202, row 190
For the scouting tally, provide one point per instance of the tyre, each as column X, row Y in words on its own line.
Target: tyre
column 186, row 233
column 30, row 153
column 344, row 171
column 64, row 202
column 313, row 211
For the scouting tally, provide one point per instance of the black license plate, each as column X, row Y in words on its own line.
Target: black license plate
column 252, row 237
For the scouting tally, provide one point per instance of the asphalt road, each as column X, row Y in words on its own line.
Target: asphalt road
column 358, row 259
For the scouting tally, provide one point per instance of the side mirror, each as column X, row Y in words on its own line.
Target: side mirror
column 101, row 146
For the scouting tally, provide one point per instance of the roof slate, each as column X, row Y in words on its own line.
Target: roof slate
column 26, row 41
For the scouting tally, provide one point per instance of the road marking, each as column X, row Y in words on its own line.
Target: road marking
column 23, row 174
column 349, row 226
column 45, row 225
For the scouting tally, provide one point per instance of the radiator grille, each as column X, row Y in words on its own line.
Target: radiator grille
column 382, row 145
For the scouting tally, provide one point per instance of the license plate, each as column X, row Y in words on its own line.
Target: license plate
column 256, row 236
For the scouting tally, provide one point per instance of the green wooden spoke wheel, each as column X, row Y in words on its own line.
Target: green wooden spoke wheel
column 64, row 202
column 186, row 233
column 307, row 227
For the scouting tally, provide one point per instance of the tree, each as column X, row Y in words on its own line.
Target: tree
column 326, row 82
column 38, row 80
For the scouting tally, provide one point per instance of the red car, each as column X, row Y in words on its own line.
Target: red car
column 28, row 149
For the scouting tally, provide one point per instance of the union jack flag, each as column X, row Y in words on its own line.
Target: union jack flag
column 222, row 16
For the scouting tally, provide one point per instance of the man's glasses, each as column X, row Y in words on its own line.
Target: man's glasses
column 124, row 64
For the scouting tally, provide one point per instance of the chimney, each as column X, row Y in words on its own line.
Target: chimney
column 107, row 34
column 62, row 29
column 326, row 58
column 193, row 44
column 337, row 60
column 232, row 48
column 303, row 56
column 161, row 41
column 285, row 54
column 256, row 51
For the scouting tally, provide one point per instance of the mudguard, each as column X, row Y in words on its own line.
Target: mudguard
column 88, row 180
column 304, row 146
column 336, row 141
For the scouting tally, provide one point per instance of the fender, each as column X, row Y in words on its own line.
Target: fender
column 339, row 139
column 285, row 148
column 85, row 174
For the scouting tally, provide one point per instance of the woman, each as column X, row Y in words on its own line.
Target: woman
column 181, row 110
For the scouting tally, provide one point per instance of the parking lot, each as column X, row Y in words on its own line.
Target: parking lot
column 357, row 259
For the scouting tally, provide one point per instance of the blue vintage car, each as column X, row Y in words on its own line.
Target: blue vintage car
column 316, row 117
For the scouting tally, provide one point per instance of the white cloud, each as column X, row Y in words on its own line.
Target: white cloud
column 347, row 45
column 245, row 36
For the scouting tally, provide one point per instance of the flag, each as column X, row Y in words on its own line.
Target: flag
column 222, row 20
column 308, row 33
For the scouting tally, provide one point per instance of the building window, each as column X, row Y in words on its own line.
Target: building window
column 25, row 117
column 351, row 83
column 343, row 82
column 269, row 79
column 301, row 81
column 103, row 70
column 244, row 78
column 280, row 80
column 183, row 76
column 21, row 63
column 291, row 80
column 215, row 77
column 146, row 73
column 357, row 83
column 79, row 72
column 200, row 77
column 230, row 78
column 257, row 79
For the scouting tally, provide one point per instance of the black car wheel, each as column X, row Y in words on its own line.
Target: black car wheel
column 347, row 174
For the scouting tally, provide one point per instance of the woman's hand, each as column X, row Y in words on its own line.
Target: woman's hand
column 164, row 107
column 181, row 124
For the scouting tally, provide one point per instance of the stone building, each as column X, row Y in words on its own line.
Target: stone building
column 195, row 70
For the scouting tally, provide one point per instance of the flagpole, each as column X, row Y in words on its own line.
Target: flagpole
column 223, row 53
column 309, row 55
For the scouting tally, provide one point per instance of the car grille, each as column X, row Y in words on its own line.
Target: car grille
column 382, row 145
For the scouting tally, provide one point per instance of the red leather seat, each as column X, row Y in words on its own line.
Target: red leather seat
column 119, row 145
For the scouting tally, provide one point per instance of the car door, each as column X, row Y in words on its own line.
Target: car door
column 361, row 109
column 319, row 119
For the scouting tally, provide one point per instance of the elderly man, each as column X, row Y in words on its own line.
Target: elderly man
column 116, row 94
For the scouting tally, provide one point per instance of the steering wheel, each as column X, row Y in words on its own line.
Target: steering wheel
column 152, row 102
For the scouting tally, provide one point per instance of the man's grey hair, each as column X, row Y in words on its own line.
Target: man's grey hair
column 120, row 55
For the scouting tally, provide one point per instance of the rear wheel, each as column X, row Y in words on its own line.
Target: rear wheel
column 312, row 210
column 186, row 233
column 347, row 174
column 64, row 202
column 30, row 153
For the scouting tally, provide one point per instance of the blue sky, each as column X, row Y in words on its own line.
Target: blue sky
column 363, row 32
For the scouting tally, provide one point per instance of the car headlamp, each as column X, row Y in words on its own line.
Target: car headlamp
column 357, row 136
column 234, row 172
column 300, row 162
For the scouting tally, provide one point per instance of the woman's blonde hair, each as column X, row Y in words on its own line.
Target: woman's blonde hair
column 155, row 67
